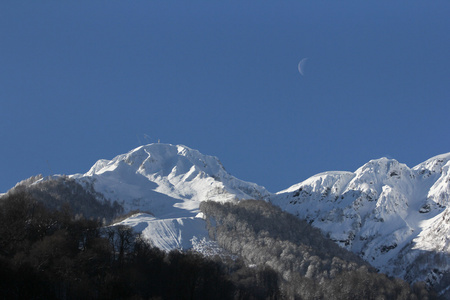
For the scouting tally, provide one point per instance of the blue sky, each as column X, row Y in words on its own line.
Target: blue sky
column 85, row 80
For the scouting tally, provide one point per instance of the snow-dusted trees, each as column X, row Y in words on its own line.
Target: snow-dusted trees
column 59, row 192
column 308, row 265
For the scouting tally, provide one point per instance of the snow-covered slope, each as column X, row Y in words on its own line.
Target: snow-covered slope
column 169, row 182
column 168, row 234
column 388, row 213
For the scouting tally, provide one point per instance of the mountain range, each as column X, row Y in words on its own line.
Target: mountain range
column 395, row 217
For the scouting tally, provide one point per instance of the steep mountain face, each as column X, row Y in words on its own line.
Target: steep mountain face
column 167, row 183
column 387, row 213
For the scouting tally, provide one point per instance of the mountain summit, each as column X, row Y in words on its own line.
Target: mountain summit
column 167, row 180
column 165, row 185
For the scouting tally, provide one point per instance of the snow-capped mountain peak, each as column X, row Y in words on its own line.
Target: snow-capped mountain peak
column 157, row 177
column 162, row 160
column 168, row 182
column 381, row 211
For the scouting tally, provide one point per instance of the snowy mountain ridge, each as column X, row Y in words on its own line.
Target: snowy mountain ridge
column 389, row 214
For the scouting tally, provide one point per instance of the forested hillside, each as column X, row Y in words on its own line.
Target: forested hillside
column 53, row 254
column 62, row 192
column 308, row 265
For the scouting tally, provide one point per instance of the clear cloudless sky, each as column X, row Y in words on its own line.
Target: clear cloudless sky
column 85, row 80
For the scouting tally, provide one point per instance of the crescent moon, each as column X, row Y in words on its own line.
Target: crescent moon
column 301, row 65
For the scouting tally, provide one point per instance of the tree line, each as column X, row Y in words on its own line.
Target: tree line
column 308, row 265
